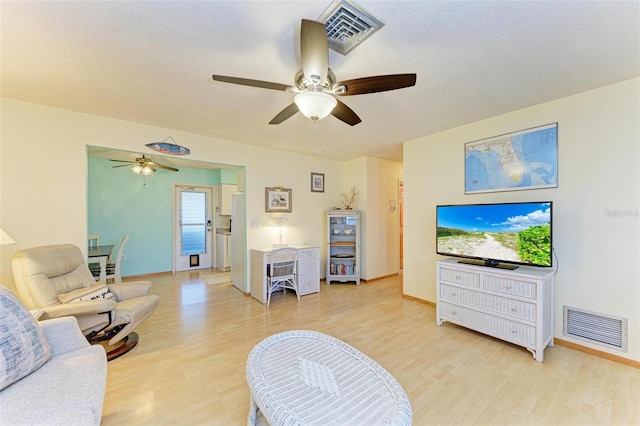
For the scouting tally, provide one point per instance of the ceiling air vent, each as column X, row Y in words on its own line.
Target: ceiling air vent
column 348, row 25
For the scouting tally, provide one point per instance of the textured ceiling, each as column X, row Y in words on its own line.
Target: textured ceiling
column 151, row 62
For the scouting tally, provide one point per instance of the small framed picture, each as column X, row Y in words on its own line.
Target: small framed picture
column 277, row 199
column 317, row 182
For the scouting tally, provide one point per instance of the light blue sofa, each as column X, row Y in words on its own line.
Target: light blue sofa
column 67, row 390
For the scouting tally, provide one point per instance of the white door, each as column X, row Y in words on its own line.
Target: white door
column 193, row 230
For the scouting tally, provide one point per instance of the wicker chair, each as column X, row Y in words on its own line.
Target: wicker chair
column 282, row 275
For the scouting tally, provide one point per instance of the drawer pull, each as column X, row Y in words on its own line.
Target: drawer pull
column 454, row 312
column 514, row 309
column 507, row 286
column 453, row 293
column 514, row 331
column 458, row 277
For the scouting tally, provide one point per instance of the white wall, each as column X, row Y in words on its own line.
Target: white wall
column 596, row 205
column 382, row 253
column 43, row 177
column 377, row 182
column 355, row 175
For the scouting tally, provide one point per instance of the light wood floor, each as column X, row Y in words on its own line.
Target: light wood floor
column 189, row 367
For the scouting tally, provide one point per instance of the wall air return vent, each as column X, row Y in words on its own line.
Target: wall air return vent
column 348, row 25
column 603, row 330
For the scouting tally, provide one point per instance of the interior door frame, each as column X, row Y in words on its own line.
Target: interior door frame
column 175, row 219
column 401, row 222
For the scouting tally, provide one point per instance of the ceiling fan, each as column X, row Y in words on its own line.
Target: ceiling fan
column 143, row 165
column 316, row 85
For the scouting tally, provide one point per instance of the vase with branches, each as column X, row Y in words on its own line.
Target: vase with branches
column 349, row 198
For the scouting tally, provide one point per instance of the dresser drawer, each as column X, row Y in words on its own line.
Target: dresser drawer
column 460, row 277
column 309, row 253
column 489, row 302
column 510, row 286
column 489, row 324
column 308, row 284
column 308, row 266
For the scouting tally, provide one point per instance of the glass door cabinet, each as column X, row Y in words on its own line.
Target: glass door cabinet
column 343, row 246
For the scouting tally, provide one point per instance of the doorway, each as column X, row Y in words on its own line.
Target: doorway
column 193, row 237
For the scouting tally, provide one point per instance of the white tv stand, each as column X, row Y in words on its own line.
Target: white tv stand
column 515, row 306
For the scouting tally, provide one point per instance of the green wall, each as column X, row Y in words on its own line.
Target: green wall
column 228, row 176
column 121, row 202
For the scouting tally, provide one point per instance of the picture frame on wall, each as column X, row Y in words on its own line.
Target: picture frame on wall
column 317, row 182
column 277, row 199
column 526, row 159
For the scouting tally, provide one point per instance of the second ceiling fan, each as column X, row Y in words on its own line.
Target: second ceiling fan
column 143, row 165
column 316, row 85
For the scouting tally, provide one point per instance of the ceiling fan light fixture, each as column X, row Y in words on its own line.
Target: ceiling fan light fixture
column 137, row 169
column 315, row 105
column 147, row 170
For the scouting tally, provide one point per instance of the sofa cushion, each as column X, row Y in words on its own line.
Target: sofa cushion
column 99, row 291
column 67, row 390
column 23, row 348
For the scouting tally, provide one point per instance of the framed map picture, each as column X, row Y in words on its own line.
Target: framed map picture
column 527, row 159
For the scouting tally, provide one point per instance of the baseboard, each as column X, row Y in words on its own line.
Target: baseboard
column 417, row 299
column 379, row 278
column 154, row 274
column 371, row 279
column 598, row 353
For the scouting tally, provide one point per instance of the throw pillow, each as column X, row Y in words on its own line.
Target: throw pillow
column 86, row 293
column 23, row 347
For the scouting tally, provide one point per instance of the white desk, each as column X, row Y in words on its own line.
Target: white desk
column 308, row 270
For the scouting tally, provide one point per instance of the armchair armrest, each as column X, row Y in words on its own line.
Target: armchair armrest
column 129, row 290
column 89, row 307
column 63, row 335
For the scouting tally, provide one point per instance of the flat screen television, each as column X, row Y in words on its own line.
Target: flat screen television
column 502, row 235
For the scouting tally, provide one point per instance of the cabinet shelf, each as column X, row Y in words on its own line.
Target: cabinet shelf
column 343, row 246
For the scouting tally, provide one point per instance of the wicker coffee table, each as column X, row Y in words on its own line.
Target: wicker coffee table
column 308, row 378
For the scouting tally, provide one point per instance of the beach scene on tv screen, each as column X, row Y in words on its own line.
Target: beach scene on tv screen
column 505, row 232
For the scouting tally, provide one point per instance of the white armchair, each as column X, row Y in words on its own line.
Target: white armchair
column 57, row 280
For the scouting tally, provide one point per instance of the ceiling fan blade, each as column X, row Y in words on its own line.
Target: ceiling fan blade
column 122, row 161
column 284, row 114
column 160, row 166
column 346, row 114
column 250, row 82
column 122, row 165
column 380, row 83
column 314, row 50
